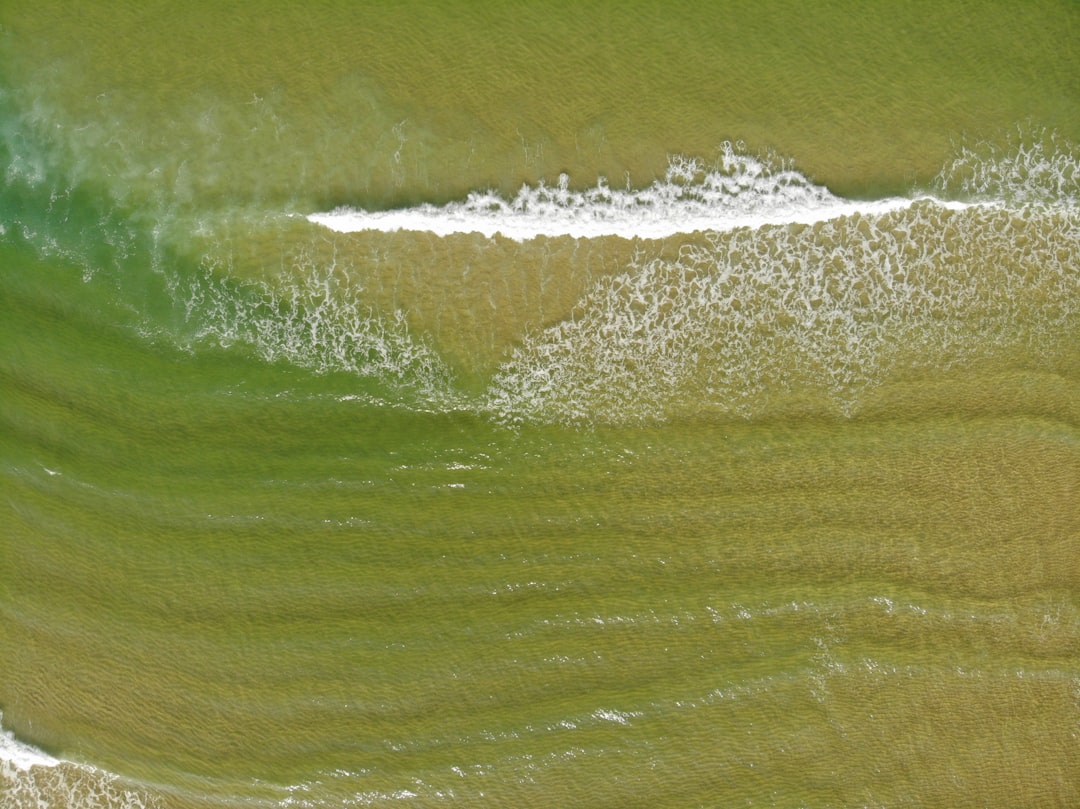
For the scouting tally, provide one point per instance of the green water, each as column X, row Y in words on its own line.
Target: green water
column 778, row 516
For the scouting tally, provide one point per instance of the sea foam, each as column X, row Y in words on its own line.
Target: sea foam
column 314, row 320
column 818, row 314
column 738, row 190
column 1033, row 167
column 22, row 756
column 30, row 779
column 786, row 291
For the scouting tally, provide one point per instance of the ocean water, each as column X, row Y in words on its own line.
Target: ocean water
column 663, row 405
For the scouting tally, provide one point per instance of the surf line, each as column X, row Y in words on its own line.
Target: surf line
column 662, row 210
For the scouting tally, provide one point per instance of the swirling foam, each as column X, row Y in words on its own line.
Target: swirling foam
column 1033, row 167
column 749, row 317
column 315, row 319
column 790, row 291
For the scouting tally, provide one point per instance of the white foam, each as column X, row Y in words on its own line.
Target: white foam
column 618, row 717
column 1033, row 167
column 738, row 191
column 21, row 755
column 315, row 321
column 30, row 777
column 826, row 311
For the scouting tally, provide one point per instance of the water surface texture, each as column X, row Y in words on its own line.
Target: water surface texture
column 528, row 405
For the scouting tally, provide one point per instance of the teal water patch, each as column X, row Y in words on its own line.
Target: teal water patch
column 130, row 265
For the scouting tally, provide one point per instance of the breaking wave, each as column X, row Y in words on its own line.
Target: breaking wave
column 737, row 190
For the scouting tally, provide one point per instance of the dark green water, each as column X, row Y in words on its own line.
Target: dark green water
column 774, row 515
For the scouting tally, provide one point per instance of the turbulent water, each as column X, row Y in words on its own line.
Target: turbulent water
column 578, row 406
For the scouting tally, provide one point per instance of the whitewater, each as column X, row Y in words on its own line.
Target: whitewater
column 829, row 307
column 738, row 190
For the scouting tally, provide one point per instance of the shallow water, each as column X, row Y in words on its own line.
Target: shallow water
column 688, row 415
